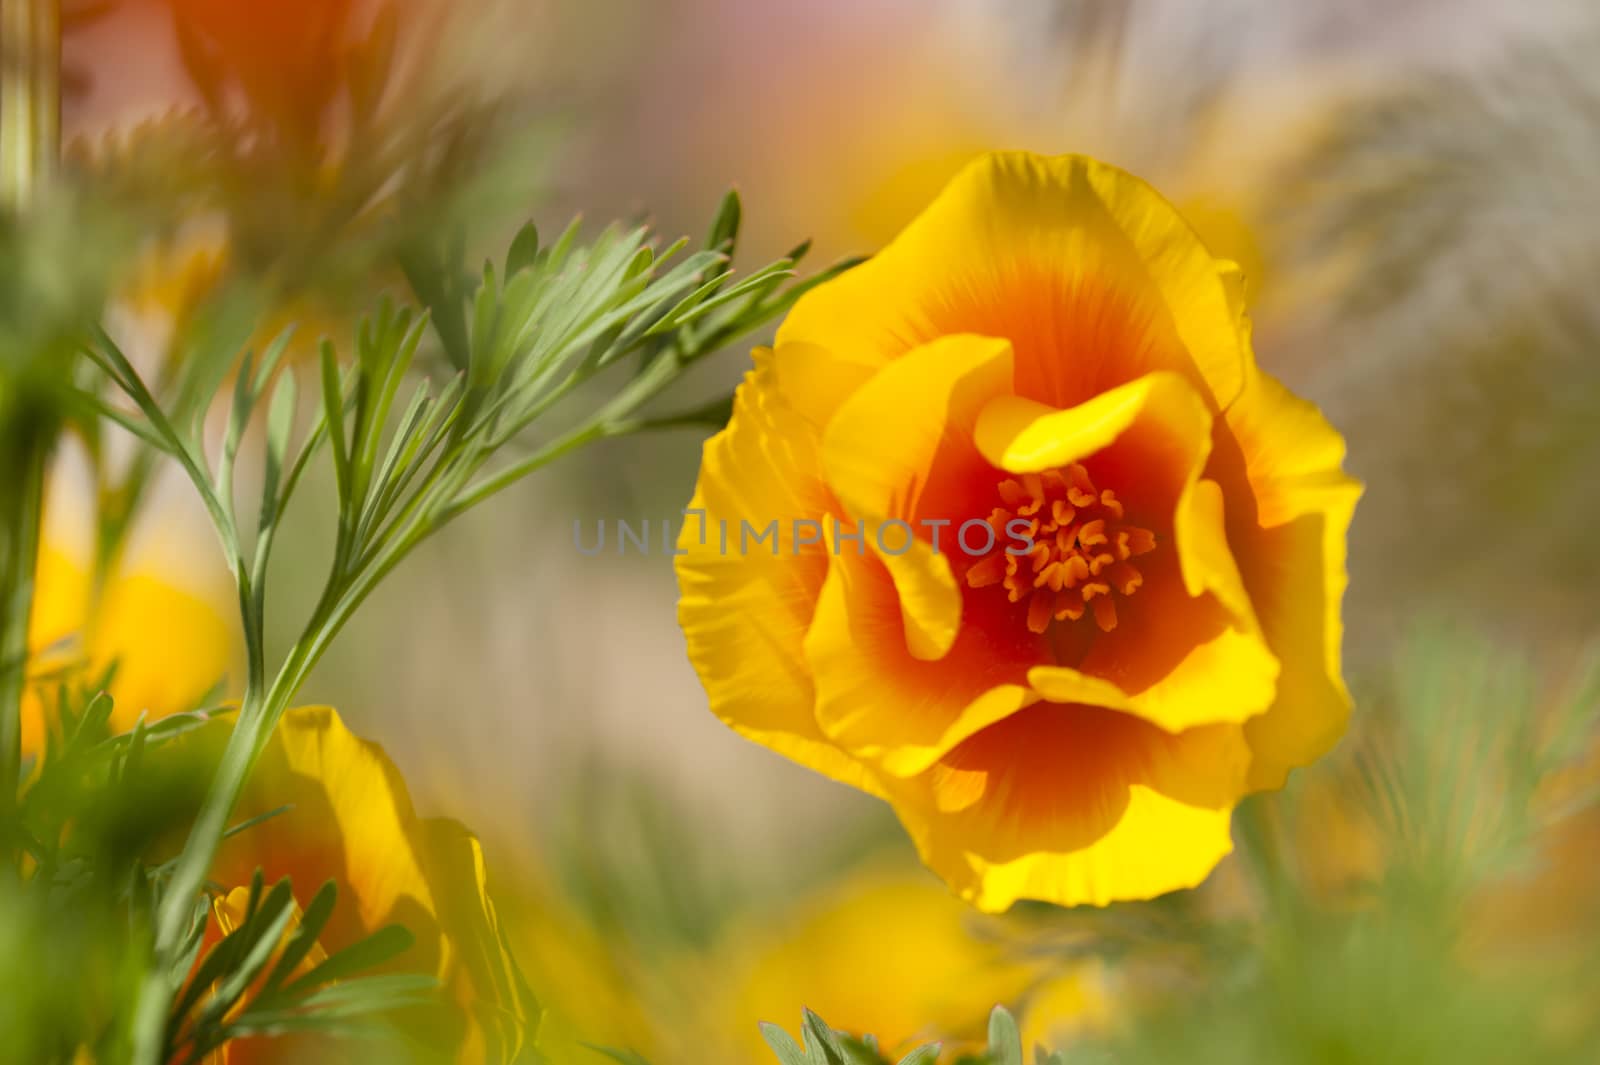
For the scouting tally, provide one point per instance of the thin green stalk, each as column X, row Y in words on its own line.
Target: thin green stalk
column 188, row 875
column 30, row 107
column 608, row 422
column 16, row 602
column 30, row 98
column 256, row 719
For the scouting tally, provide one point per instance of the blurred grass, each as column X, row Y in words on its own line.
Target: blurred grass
column 1444, row 232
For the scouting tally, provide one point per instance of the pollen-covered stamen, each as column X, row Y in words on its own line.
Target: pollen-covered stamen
column 1078, row 561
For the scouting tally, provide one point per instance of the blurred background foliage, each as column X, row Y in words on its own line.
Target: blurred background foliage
column 1408, row 186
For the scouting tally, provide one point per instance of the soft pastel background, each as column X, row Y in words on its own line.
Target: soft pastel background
column 1409, row 185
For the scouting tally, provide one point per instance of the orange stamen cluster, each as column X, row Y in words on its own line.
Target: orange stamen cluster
column 1079, row 554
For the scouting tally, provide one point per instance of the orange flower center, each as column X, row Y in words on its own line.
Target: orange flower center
column 1068, row 552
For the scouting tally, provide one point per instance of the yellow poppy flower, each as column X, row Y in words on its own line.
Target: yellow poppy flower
column 882, row 952
column 1056, row 569
column 168, row 283
column 349, row 819
column 175, row 279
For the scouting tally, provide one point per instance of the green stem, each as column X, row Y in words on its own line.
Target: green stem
column 257, row 716
column 254, row 723
column 28, row 451
column 30, row 108
column 30, row 97
column 612, row 420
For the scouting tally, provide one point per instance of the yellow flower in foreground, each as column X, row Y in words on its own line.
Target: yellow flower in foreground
column 350, row 820
column 883, row 952
column 1052, row 566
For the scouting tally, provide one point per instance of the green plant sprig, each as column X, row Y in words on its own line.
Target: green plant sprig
column 273, row 941
column 544, row 323
column 825, row 1046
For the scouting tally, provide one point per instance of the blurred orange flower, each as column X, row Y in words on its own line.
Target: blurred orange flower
column 344, row 815
column 289, row 59
column 1057, row 569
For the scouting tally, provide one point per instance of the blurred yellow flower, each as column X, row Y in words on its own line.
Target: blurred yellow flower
column 349, row 819
column 173, row 281
column 885, row 951
column 167, row 630
column 1056, row 568
column 167, row 284
column 1068, row 1006
column 592, row 991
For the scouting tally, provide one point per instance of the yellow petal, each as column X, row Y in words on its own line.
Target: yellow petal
column 1075, row 805
column 900, row 448
column 1201, row 537
column 59, row 614
column 1090, row 273
column 484, row 980
column 930, row 600
column 885, row 950
column 1292, row 557
column 878, row 701
column 60, row 607
column 230, row 910
column 814, row 381
column 170, row 646
column 1159, row 415
column 1074, row 1002
column 1063, row 684
column 589, row 984
column 745, row 613
column 350, row 820
column 1221, row 668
